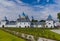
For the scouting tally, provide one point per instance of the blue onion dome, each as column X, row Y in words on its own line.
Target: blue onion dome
column 49, row 17
column 23, row 15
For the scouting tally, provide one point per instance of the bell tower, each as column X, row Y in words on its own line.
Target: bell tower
column 50, row 22
column 4, row 21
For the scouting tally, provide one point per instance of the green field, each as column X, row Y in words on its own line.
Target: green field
column 38, row 32
column 4, row 36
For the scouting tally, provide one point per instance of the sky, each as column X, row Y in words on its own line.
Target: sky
column 39, row 9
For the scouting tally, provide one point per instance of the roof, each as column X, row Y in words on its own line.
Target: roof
column 5, row 19
column 49, row 17
column 23, row 14
column 11, row 23
column 25, row 19
column 37, row 23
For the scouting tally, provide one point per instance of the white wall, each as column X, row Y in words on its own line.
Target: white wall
column 0, row 26
column 3, row 22
column 23, row 24
column 38, row 26
column 50, row 24
column 57, row 24
column 10, row 26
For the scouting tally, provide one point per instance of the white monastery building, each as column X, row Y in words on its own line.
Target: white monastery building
column 24, row 21
column 49, row 22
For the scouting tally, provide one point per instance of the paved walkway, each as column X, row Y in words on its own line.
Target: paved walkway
column 56, row 31
column 44, row 39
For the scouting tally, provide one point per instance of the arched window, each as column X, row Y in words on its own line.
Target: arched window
column 49, row 23
column 46, row 26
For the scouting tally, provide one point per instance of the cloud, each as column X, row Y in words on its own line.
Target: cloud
column 12, row 8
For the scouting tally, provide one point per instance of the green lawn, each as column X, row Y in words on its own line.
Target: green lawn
column 38, row 32
column 4, row 36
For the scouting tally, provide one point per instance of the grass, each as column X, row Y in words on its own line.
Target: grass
column 38, row 32
column 4, row 36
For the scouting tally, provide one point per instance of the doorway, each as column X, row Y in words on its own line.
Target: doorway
column 2, row 26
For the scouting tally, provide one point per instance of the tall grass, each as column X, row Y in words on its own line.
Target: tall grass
column 38, row 32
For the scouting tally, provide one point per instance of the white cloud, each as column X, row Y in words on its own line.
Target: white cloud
column 12, row 10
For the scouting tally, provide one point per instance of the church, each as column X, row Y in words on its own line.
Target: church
column 24, row 22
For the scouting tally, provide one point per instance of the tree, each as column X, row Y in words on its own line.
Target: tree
column 42, row 21
column 58, row 16
column 34, row 20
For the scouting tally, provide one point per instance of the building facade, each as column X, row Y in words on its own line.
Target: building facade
column 49, row 22
column 24, row 21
